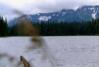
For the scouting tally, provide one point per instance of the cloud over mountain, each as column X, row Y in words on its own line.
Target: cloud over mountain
column 36, row 6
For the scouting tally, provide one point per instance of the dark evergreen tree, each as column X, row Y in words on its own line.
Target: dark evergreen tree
column 3, row 27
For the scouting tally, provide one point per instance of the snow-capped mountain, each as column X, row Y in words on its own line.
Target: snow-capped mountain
column 84, row 13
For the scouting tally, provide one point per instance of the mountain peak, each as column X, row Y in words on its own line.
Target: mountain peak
column 84, row 13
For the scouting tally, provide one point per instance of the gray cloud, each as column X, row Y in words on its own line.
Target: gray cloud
column 36, row 6
column 55, row 5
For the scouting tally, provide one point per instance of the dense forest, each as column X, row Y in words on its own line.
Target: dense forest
column 69, row 28
column 54, row 28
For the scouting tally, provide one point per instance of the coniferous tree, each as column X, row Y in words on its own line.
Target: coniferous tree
column 3, row 27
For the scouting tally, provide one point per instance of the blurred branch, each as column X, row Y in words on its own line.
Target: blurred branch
column 24, row 62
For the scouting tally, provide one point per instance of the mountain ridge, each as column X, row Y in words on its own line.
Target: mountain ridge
column 84, row 13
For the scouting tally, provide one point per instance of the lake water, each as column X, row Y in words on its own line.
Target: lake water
column 68, row 51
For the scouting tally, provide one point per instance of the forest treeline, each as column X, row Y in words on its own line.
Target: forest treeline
column 54, row 28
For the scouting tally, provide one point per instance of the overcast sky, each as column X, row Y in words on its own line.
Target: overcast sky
column 36, row 6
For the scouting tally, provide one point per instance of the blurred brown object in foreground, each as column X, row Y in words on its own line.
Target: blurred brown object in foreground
column 25, row 27
column 24, row 62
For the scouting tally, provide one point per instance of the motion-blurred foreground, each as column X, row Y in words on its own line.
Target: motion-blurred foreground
column 76, row 51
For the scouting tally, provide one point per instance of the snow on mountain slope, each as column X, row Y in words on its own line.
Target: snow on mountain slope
column 94, row 15
column 84, row 13
column 69, row 51
column 44, row 18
